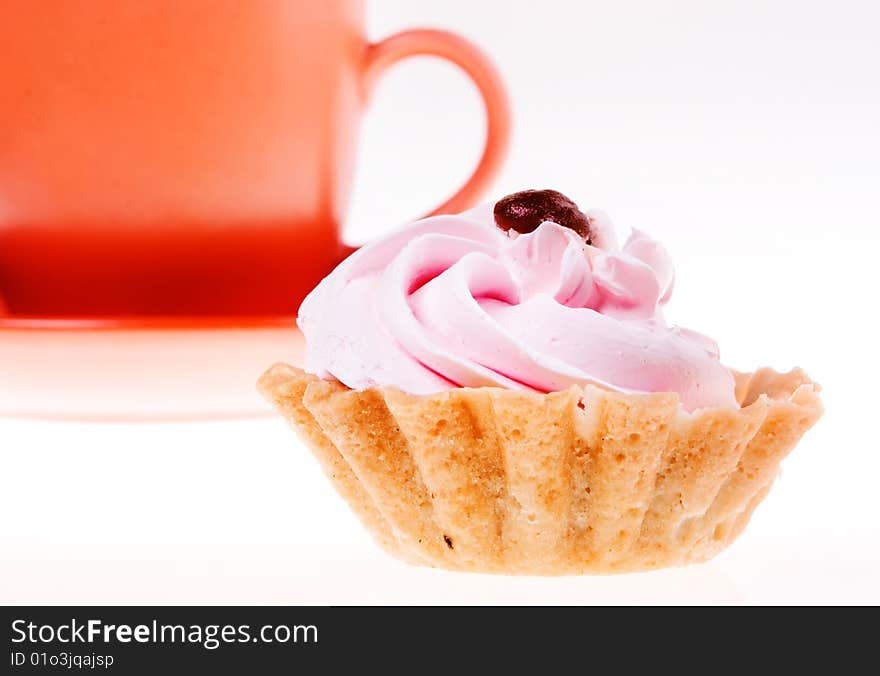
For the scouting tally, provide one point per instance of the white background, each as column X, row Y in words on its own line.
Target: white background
column 744, row 135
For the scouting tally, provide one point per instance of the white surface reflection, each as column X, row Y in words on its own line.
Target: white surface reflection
column 238, row 512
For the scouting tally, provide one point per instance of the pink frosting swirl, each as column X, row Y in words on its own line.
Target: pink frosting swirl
column 453, row 301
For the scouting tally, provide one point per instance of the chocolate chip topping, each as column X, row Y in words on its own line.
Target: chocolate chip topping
column 525, row 211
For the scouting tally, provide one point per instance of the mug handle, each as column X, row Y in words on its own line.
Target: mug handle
column 428, row 42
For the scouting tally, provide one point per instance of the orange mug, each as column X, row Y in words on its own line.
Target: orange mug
column 161, row 158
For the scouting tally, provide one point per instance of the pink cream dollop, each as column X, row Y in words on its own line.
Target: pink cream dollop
column 454, row 301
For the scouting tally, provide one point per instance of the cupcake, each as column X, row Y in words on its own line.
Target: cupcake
column 498, row 391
